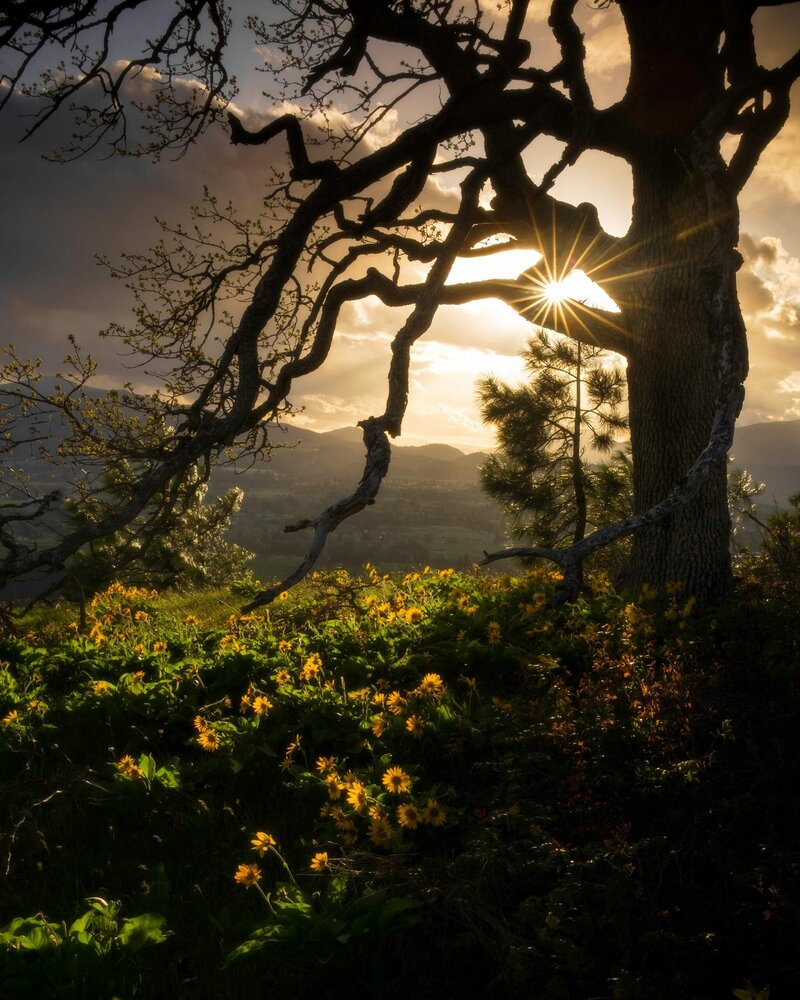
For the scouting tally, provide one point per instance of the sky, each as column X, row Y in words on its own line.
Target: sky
column 56, row 219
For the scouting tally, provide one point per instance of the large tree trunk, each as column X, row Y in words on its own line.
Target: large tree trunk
column 673, row 376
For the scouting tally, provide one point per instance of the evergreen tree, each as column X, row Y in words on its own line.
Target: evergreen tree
column 546, row 428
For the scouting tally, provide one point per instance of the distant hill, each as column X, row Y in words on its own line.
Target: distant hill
column 337, row 456
column 430, row 509
column 770, row 452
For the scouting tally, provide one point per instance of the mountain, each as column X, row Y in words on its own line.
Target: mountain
column 770, row 452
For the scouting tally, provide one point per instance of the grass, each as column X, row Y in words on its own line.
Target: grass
column 451, row 792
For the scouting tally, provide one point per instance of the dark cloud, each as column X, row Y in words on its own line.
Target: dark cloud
column 58, row 217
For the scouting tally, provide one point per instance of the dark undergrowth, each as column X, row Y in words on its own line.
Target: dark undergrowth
column 403, row 787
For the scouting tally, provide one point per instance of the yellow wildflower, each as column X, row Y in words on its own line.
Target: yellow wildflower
column 396, row 780
column 319, row 863
column 208, row 740
column 325, row 764
column 10, row 718
column 349, row 834
column 334, row 786
column 415, row 725
column 433, row 814
column 493, row 634
column 379, row 725
column 290, row 751
column 283, row 677
column 262, row 842
column 431, row 684
column 191, row 620
column 380, row 833
column 395, row 702
column 414, row 615
column 247, row 875
column 127, row 765
column 311, row 668
column 159, row 647
column 261, row 704
column 199, row 723
column 101, row 687
column 408, row 816
column 357, row 796
column 377, row 811
column 338, row 815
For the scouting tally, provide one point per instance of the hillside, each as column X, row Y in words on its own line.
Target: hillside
column 425, row 787
column 430, row 509
column 771, row 454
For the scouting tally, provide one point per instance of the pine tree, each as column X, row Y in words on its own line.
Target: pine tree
column 571, row 405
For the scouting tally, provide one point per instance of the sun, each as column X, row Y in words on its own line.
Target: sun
column 555, row 292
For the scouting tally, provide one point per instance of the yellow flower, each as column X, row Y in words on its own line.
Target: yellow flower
column 357, row 795
column 431, row 684
column 325, row 764
column 290, row 751
column 101, row 687
column 261, row 704
column 469, row 681
column 141, row 616
column 338, row 815
column 415, row 725
column 408, row 816
column 396, row 780
column 311, row 668
column 127, row 765
column 380, row 833
column 231, row 643
column 379, row 725
column 284, row 646
column 159, row 647
column 208, row 740
column 334, row 786
column 262, row 842
column 349, row 834
column 445, row 573
column 10, row 718
column 414, row 615
column 199, row 723
column 433, row 814
column 395, row 702
column 247, row 875
column 283, row 677
column 377, row 811
column 493, row 634
column 191, row 620
column 319, row 863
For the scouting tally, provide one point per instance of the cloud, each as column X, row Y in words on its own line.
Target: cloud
column 769, row 293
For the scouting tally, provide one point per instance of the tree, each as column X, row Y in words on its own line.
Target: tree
column 470, row 100
column 188, row 547
column 540, row 474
